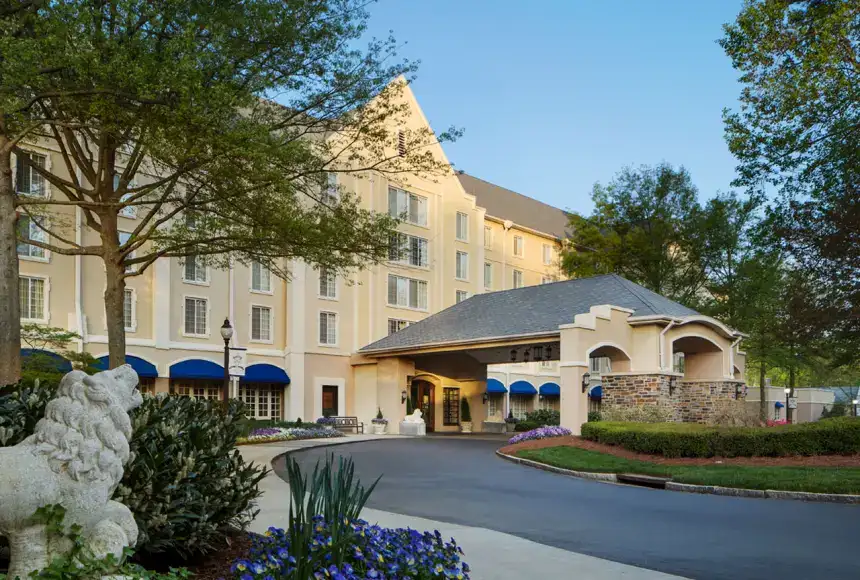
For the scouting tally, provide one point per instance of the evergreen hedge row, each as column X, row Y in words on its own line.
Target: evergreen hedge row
column 838, row 436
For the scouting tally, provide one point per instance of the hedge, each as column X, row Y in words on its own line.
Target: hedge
column 838, row 436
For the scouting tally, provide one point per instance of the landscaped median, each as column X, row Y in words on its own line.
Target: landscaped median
column 686, row 454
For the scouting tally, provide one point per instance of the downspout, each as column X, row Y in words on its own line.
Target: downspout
column 508, row 224
column 661, row 344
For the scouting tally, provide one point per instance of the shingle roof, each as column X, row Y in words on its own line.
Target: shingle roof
column 529, row 310
column 509, row 205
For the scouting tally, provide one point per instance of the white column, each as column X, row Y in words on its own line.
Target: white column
column 161, row 303
column 574, row 403
column 296, row 331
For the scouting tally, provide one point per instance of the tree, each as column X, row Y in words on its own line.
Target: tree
column 797, row 131
column 645, row 227
column 159, row 111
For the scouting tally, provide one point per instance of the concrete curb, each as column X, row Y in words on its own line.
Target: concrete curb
column 702, row 489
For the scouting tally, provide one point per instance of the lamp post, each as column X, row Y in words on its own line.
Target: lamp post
column 787, row 410
column 855, row 403
column 226, row 334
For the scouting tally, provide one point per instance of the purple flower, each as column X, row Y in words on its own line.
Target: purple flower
column 540, row 433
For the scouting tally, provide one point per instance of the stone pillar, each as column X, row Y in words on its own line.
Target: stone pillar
column 573, row 403
column 391, row 377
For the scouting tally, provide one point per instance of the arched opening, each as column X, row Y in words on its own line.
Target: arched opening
column 605, row 359
column 697, row 357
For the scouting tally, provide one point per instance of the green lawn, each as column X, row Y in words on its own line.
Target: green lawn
column 814, row 479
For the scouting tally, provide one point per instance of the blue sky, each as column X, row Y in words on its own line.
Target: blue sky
column 555, row 95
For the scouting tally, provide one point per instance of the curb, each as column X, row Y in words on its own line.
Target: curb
column 701, row 489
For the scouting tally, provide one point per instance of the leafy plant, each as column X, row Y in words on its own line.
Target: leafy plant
column 409, row 408
column 544, row 417
column 465, row 411
column 540, row 433
column 594, row 416
column 379, row 419
column 21, row 407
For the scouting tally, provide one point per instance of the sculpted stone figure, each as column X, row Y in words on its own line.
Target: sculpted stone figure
column 414, row 417
column 74, row 458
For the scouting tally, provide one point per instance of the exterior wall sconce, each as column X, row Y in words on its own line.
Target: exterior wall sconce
column 586, row 380
column 541, row 397
column 513, row 355
column 402, row 397
column 485, row 398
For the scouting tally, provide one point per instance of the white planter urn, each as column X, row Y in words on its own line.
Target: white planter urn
column 466, row 426
column 379, row 428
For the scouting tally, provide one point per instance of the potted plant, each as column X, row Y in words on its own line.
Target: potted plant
column 326, row 422
column 511, row 422
column 379, row 423
column 465, row 416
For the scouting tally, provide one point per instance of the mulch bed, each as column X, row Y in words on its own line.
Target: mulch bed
column 210, row 567
column 793, row 461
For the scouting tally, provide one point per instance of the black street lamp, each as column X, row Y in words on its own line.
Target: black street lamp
column 226, row 334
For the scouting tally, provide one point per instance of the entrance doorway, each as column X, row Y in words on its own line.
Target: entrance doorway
column 329, row 401
column 424, row 398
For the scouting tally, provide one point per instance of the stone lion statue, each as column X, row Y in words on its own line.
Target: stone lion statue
column 74, row 458
column 415, row 417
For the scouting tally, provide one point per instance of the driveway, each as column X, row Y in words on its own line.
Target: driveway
column 699, row 536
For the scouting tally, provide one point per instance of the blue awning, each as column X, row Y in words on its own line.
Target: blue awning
column 144, row 369
column 50, row 359
column 265, row 373
column 196, row 369
column 550, row 390
column 523, row 388
column 595, row 392
column 779, row 405
column 495, row 386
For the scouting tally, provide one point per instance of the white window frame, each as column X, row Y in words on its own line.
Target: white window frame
column 546, row 280
column 488, row 280
column 263, row 268
column 46, row 293
column 488, row 237
column 129, row 212
column 32, row 223
column 187, row 297
column 335, row 285
column 133, row 326
column 464, row 219
column 403, row 202
column 46, row 193
column 330, row 193
column 546, row 254
column 458, row 294
column 461, row 257
column 336, row 333
column 400, row 322
column 129, row 256
column 519, row 406
column 271, row 310
column 406, row 306
column 405, row 255
column 514, row 279
column 522, row 243
column 204, row 282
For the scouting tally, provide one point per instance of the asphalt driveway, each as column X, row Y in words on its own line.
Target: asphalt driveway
column 461, row 481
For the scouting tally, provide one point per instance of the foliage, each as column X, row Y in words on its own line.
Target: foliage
column 540, row 433
column 41, row 339
column 21, row 407
column 510, row 418
column 184, row 464
column 594, row 416
column 635, row 414
column 379, row 419
column 269, row 434
column 827, row 437
column 796, row 131
column 326, row 421
column 735, row 414
column 251, row 425
column 465, row 411
column 837, row 409
column 525, row 425
column 544, row 417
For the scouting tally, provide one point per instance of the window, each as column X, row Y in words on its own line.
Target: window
column 31, row 292
column 548, row 365
column 462, row 266
column 261, row 323
column 776, row 413
column 488, row 237
column 328, row 328
column 124, row 237
column 328, row 283
column 519, row 406
column 195, row 316
column 408, row 206
column 28, row 181
column 200, row 390
column 518, row 279
column 451, row 406
column 461, row 295
column 128, row 211
column 518, row 246
column 263, row 400
column 128, row 310
column 494, row 406
column 196, row 271
column 329, row 194
column 261, row 278
column 488, row 275
column 462, row 227
column 401, row 143
column 407, row 292
column 406, row 249
column 679, row 363
column 396, row 325
column 191, row 219
column 600, row 365
column 29, row 229
column 548, row 403
column 547, row 254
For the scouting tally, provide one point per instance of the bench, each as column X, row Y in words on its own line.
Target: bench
column 348, row 423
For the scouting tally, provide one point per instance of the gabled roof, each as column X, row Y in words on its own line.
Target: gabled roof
column 528, row 311
column 509, row 205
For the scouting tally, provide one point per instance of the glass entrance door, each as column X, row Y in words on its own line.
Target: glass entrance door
column 424, row 398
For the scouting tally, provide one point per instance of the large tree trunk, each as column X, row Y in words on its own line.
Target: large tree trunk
column 762, row 405
column 114, row 290
column 10, row 308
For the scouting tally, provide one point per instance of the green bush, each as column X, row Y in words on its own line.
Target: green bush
column 544, row 417
column 465, row 411
column 526, row 425
column 594, row 416
column 839, row 436
column 21, row 407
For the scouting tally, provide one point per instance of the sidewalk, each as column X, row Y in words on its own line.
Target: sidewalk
column 491, row 555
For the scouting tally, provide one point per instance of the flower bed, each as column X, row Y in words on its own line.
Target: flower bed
column 372, row 552
column 540, row 433
column 269, row 434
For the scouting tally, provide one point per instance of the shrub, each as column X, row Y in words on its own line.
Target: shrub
column 544, row 417
column 510, row 418
column 250, row 425
column 636, row 414
column 268, row 434
column 379, row 419
column 523, row 426
column 540, row 433
column 594, row 416
column 187, row 485
column 465, row 411
column 21, row 407
column 735, row 414
column 839, row 436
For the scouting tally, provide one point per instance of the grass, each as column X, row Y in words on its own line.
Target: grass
column 813, row 479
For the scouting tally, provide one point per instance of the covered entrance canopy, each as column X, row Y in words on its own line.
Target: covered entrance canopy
column 572, row 322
